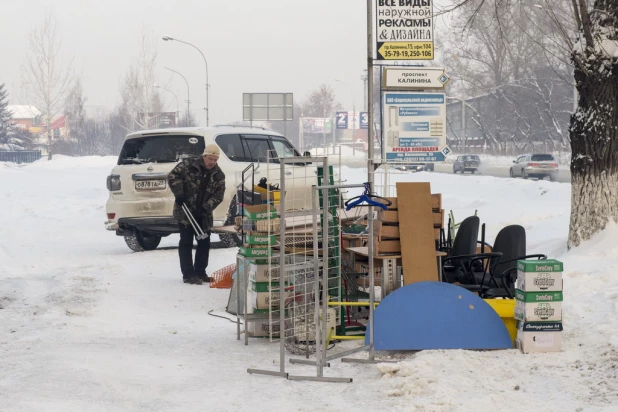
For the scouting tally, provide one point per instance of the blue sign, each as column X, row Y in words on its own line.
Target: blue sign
column 342, row 120
column 364, row 120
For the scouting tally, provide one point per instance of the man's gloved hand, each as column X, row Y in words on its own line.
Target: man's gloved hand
column 180, row 200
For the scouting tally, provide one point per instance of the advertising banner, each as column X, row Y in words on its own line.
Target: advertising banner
column 415, row 127
column 404, row 30
column 342, row 120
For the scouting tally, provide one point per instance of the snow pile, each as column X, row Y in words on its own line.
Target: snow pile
column 89, row 325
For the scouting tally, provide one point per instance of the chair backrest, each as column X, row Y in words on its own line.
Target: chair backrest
column 511, row 242
column 466, row 237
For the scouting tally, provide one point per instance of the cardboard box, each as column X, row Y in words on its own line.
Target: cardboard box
column 539, row 281
column 261, row 327
column 540, row 266
column 538, row 311
column 262, row 300
column 263, row 273
column 260, row 212
column 538, row 296
column 530, row 342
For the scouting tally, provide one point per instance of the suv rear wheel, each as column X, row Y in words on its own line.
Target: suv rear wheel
column 230, row 239
column 141, row 241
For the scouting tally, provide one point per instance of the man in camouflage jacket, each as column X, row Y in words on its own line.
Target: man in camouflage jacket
column 199, row 184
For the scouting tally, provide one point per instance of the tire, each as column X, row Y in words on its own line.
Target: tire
column 142, row 241
column 454, row 170
column 523, row 174
column 511, row 173
column 229, row 240
column 551, row 178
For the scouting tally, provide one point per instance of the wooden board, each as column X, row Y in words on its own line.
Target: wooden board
column 391, row 216
column 436, row 201
column 383, row 231
column 416, row 232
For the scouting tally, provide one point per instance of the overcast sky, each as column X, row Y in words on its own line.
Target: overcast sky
column 250, row 45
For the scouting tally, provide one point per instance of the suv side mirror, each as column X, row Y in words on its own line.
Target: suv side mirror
column 307, row 153
column 514, row 161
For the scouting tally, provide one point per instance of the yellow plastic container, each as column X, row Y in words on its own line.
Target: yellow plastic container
column 505, row 308
column 275, row 195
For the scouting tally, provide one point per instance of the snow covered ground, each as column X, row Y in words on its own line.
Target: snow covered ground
column 87, row 325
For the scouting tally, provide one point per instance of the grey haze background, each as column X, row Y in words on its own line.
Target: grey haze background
column 250, row 45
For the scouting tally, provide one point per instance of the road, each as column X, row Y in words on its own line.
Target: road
column 564, row 174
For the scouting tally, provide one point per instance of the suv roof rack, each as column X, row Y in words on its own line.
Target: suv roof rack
column 240, row 125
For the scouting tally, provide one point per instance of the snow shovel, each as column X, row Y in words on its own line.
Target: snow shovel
column 198, row 230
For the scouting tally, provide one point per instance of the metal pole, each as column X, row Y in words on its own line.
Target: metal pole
column 205, row 64
column 281, row 268
column 188, row 101
column 370, row 133
column 463, row 122
column 370, row 247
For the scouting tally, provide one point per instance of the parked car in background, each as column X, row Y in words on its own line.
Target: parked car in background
column 466, row 163
column 535, row 165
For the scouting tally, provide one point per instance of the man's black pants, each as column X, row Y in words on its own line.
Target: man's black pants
column 185, row 249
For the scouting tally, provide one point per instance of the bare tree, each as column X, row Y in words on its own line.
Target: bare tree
column 48, row 78
column 507, row 61
column 593, row 127
column 141, row 103
column 321, row 103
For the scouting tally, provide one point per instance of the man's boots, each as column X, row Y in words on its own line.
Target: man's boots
column 193, row 280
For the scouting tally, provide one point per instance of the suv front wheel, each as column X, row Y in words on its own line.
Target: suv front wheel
column 141, row 241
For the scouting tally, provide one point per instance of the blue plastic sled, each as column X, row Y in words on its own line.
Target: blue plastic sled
column 437, row 315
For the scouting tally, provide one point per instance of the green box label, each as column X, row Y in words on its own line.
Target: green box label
column 254, row 252
column 549, row 265
column 538, row 296
column 260, row 239
column 265, row 286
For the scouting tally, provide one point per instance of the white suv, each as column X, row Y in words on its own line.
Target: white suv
column 140, row 202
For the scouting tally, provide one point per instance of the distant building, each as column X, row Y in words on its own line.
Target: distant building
column 25, row 117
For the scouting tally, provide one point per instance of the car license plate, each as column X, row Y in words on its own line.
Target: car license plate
column 150, row 184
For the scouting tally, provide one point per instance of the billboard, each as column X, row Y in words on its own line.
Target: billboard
column 342, row 120
column 414, row 125
column 404, row 30
column 267, row 106
column 316, row 125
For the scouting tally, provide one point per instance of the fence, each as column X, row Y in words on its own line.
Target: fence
column 20, row 156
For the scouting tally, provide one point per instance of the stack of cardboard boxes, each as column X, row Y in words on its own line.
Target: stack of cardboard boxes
column 263, row 298
column 538, row 307
column 260, row 224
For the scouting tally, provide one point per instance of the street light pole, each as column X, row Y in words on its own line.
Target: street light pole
column 173, row 94
column 168, row 38
column 188, row 101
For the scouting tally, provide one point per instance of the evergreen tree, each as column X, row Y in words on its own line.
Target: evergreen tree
column 6, row 128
